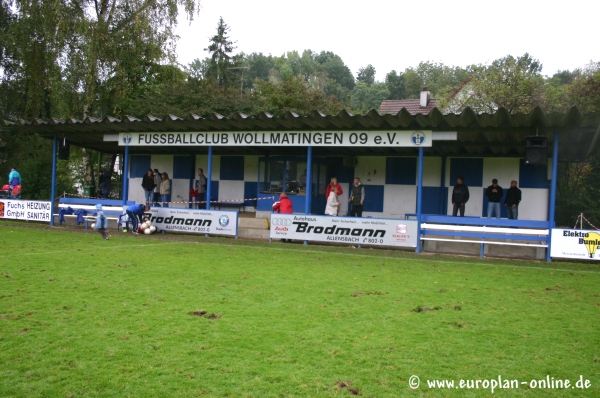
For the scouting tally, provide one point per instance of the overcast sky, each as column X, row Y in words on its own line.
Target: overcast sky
column 400, row 34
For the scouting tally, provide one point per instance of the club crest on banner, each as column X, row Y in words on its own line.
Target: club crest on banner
column 418, row 138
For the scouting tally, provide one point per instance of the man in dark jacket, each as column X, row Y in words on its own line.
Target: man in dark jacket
column 104, row 186
column 513, row 198
column 494, row 194
column 357, row 198
column 148, row 185
column 460, row 196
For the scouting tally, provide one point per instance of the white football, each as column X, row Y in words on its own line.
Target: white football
column 147, row 231
column 93, row 225
column 153, row 228
column 144, row 226
column 148, row 223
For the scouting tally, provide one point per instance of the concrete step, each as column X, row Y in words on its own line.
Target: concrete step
column 257, row 223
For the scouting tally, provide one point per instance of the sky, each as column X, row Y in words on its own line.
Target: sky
column 395, row 35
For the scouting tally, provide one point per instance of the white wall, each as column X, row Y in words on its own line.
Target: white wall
column 399, row 200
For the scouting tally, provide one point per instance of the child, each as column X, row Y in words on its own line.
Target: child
column 101, row 222
column 333, row 204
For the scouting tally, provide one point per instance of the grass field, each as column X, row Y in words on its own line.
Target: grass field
column 80, row 316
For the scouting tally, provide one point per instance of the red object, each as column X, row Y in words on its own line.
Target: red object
column 16, row 189
column 5, row 187
column 283, row 206
column 194, row 193
column 328, row 189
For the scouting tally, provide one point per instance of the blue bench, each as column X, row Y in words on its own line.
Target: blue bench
column 112, row 208
column 481, row 230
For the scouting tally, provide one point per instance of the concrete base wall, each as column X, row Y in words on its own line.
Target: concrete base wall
column 490, row 250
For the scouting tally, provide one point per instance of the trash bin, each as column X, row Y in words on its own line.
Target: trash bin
column 89, row 191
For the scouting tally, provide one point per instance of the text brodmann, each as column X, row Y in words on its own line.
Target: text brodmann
column 303, row 227
column 181, row 221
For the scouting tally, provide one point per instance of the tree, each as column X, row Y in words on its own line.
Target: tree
column 515, row 84
column 366, row 75
column 220, row 49
column 395, row 85
column 365, row 97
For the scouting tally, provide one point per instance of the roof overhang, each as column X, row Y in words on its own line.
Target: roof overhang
column 500, row 134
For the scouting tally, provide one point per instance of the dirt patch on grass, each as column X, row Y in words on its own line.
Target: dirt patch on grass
column 425, row 309
column 205, row 314
column 347, row 384
column 375, row 293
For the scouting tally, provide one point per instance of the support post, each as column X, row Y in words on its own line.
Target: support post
column 53, row 189
column 125, row 175
column 209, row 177
column 443, row 192
column 308, row 188
column 553, row 184
column 419, row 199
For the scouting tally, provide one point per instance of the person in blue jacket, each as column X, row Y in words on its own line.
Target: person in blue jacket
column 101, row 222
column 135, row 213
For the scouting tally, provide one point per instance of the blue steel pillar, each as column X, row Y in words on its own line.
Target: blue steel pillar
column 443, row 191
column 419, row 199
column 308, row 188
column 53, row 190
column 552, row 204
column 209, row 177
column 125, row 181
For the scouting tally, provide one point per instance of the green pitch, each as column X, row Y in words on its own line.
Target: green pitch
column 182, row 316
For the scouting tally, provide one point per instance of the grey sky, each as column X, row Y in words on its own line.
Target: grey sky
column 399, row 34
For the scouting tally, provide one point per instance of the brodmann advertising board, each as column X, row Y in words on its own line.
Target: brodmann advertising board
column 349, row 230
column 192, row 221
column 29, row 210
column 575, row 243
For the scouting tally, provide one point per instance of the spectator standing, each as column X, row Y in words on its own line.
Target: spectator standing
column 460, row 196
column 165, row 190
column 494, row 193
column 333, row 183
column 157, row 181
column 101, row 222
column 333, row 204
column 201, row 187
column 148, row 185
column 104, row 184
column 357, row 198
column 513, row 198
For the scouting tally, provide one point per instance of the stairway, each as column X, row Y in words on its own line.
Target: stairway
column 250, row 227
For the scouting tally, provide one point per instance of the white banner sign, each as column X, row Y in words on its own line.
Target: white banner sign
column 213, row 222
column 413, row 138
column 575, row 243
column 351, row 230
column 29, row 210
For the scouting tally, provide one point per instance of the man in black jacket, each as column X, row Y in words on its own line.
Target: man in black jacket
column 460, row 196
column 513, row 198
column 494, row 193
column 148, row 185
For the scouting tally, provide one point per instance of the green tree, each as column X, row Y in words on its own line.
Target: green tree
column 220, row 49
column 365, row 97
column 512, row 83
column 395, row 85
column 366, row 75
